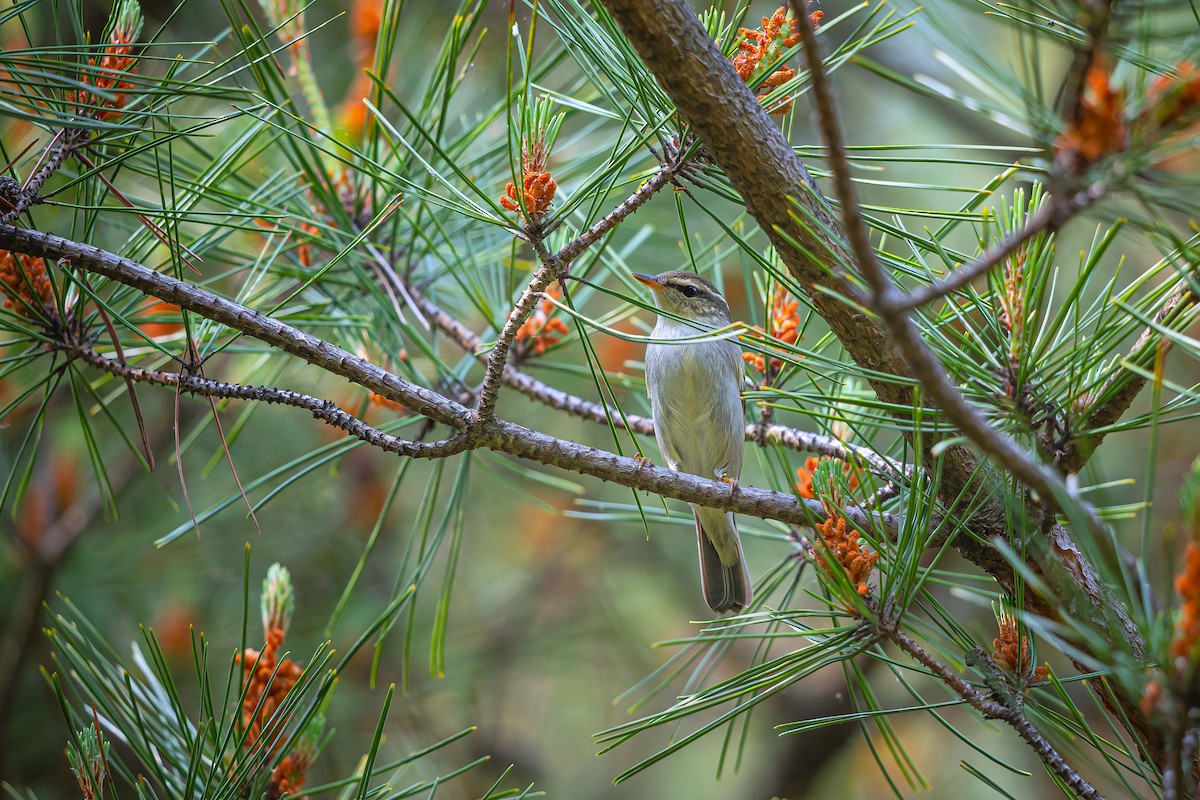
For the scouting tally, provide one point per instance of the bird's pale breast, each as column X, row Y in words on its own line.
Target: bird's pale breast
column 696, row 394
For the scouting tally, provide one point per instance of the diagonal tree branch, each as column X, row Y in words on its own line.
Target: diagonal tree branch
column 551, row 270
column 889, row 301
column 315, row 351
column 496, row 434
column 777, row 189
column 990, row 708
column 667, row 173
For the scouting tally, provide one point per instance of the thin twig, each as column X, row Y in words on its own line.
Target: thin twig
column 883, row 494
column 1053, row 212
column 666, row 173
column 795, row 439
column 550, row 271
column 325, row 410
column 64, row 144
column 554, row 267
column 1061, row 555
column 991, row 709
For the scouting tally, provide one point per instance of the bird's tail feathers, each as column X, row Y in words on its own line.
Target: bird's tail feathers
column 726, row 582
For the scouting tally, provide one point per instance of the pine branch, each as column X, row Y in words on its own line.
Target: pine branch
column 771, row 433
column 762, row 167
column 991, row 709
column 315, row 351
column 554, row 267
column 1125, row 384
column 777, row 189
column 19, row 198
column 666, row 174
column 892, row 306
column 925, row 365
column 496, row 434
column 326, row 411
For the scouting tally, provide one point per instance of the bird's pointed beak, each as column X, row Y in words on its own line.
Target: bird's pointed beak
column 649, row 281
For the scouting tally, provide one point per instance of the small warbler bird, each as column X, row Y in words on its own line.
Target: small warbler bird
column 695, row 398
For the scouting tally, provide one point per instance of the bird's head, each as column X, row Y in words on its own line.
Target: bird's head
column 688, row 295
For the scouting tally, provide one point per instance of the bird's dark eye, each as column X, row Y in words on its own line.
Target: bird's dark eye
column 689, row 291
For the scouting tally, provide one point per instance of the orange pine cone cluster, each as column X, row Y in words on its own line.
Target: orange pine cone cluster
column 1101, row 125
column 1187, row 627
column 1172, row 98
column 537, row 190
column 115, row 62
column 23, row 279
column 784, row 326
column 365, row 19
column 537, row 187
column 765, row 45
column 1011, row 655
column 845, row 547
column 289, row 775
column 1099, row 128
column 265, row 685
column 804, row 486
column 541, row 329
column 1172, row 684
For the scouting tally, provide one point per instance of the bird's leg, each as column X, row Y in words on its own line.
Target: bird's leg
column 733, row 484
column 642, row 461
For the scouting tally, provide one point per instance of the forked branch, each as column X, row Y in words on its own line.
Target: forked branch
column 496, row 434
column 554, row 266
column 990, row 708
